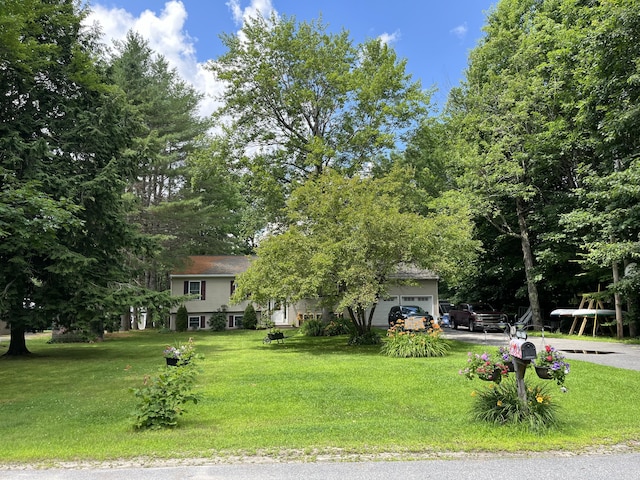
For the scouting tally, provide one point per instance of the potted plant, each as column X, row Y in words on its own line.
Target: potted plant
column 551, row 365
column 484, row 367
column 180, row 354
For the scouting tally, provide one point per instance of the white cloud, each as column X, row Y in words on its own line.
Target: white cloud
column 460, row 31
column 256, row 7
column 166, row 36
column 388, row 38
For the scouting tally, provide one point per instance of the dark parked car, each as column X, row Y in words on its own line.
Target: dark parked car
column 403, row 312
column 477, row 317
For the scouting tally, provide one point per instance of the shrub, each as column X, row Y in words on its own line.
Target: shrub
column 338, row 326
column 161, row 400
column 499, row 403
column 312, row 328
column 367, row 338
column 421, row 343
column 182, row 319
column 265, row 323
column 250, row 318
column 218, row 321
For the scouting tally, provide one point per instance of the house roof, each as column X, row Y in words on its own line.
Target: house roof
column 407, row 271
column 214, row 265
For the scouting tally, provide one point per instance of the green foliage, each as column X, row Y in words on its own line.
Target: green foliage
column 182, row 319
column 346, row 240
column 366, row 338
column 544, row 124
column 338, row 326
column 250, row 318
column 187, row 215
column 500, row 404
column 313, row 328
column 421, row 343
column 218, row 321
column 308, row 99
column 162, row 398
column 63, row 132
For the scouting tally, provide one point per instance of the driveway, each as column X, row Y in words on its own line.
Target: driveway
column 612, row 354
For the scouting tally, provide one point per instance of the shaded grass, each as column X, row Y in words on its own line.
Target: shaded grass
column 72, row 401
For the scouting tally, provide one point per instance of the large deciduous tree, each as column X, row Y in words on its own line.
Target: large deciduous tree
column 516, row 109
column 606, row 226
column 62, row 129
column 347, row 238
column 550, row 105
column 299, row 100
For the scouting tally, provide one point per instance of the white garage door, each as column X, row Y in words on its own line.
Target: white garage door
column 381, row 315
column 423, row 301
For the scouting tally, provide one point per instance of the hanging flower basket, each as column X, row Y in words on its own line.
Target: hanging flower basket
column 544, row 373
column 172, row 361
column 551, row 365
column 494, row 376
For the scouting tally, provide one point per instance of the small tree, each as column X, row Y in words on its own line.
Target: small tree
column 182, row 319
column 250, row 318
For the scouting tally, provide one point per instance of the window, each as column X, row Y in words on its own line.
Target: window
column 415, row 299
column 235, row 321
column 195, row 288
column 194, row 323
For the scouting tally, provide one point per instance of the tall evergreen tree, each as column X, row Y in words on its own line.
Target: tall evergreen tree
column 62, row 129
column 187, row 214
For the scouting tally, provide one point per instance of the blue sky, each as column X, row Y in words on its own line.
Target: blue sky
column 434, row 36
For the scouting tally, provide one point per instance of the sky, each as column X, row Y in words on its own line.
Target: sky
column 434, row 36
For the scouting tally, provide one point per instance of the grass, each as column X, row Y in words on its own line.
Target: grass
column 310, row 395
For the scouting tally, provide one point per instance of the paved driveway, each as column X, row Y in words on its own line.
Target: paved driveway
column 604, row 353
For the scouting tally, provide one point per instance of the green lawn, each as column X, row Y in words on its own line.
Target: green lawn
column 309, row 395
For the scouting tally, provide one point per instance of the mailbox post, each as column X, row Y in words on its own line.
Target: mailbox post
column 522, row 352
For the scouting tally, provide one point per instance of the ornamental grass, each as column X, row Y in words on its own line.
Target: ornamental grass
column 500, row 404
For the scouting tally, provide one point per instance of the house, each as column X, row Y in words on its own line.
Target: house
column 211, row 280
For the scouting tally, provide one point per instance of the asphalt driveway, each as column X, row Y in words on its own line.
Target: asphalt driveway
column 611, row 354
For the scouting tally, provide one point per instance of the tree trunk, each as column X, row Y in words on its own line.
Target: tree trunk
column 126, row 321
column 18, row 343
column 370, row 319
column 358, row 320
column 618, row 302
column 631, row 300
column 532, row 288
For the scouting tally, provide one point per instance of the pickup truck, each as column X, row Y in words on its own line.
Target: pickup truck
column 477, row 316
